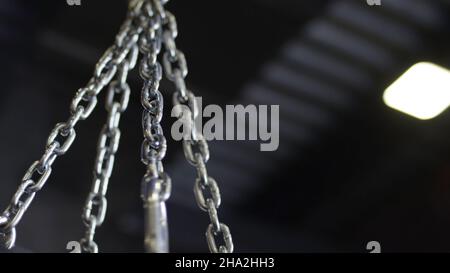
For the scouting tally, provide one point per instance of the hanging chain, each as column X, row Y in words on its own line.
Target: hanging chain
column 156, row 184
column 63, row 135
column 147, row 26
column 195, row 148
column 108, row 143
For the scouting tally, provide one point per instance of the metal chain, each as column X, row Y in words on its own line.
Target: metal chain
column 108, row 143
column 156, row 184
column 63, row 135
column 195, row 147
column 149, row 25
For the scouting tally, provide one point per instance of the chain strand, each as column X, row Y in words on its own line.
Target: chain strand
column 63, row 135
column 195, row 147
column 108, row 144
column 147, row 26
column 117, row 98
column 156, row 184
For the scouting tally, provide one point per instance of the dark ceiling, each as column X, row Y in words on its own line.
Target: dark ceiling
column 348, row 170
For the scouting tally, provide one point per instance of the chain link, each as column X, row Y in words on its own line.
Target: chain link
column 117, row 98
column 156, row 184
column 63, row 135
column 195, row 147
column 147, row 26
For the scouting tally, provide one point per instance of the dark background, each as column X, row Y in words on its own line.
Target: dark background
column 349, row 170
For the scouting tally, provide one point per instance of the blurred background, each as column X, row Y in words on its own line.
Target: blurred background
column 348, row 170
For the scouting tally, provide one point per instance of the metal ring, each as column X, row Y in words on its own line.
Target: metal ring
column 44, row 176
column 99, row 73
column 170, row 63
column 155, row 149
column 190, row 154
column 120, row 89
column 105, row 163
column 211, row 239
column 110, row 138
column 93, row 201
column 48, row 157
column 60, row 130
column 212, row 188
column 74, row 119
column 83, row 95
column 113, row 119
column 18, row 207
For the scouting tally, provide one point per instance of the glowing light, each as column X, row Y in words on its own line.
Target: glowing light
column 423, row 91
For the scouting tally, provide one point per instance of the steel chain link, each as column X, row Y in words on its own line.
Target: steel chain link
column 195, row 147
column 108, row 143
column 63, row 135
column 117, row 99
column 147, row 26
column 156, row 184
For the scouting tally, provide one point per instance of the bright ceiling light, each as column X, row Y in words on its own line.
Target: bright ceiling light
column 423, row 91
